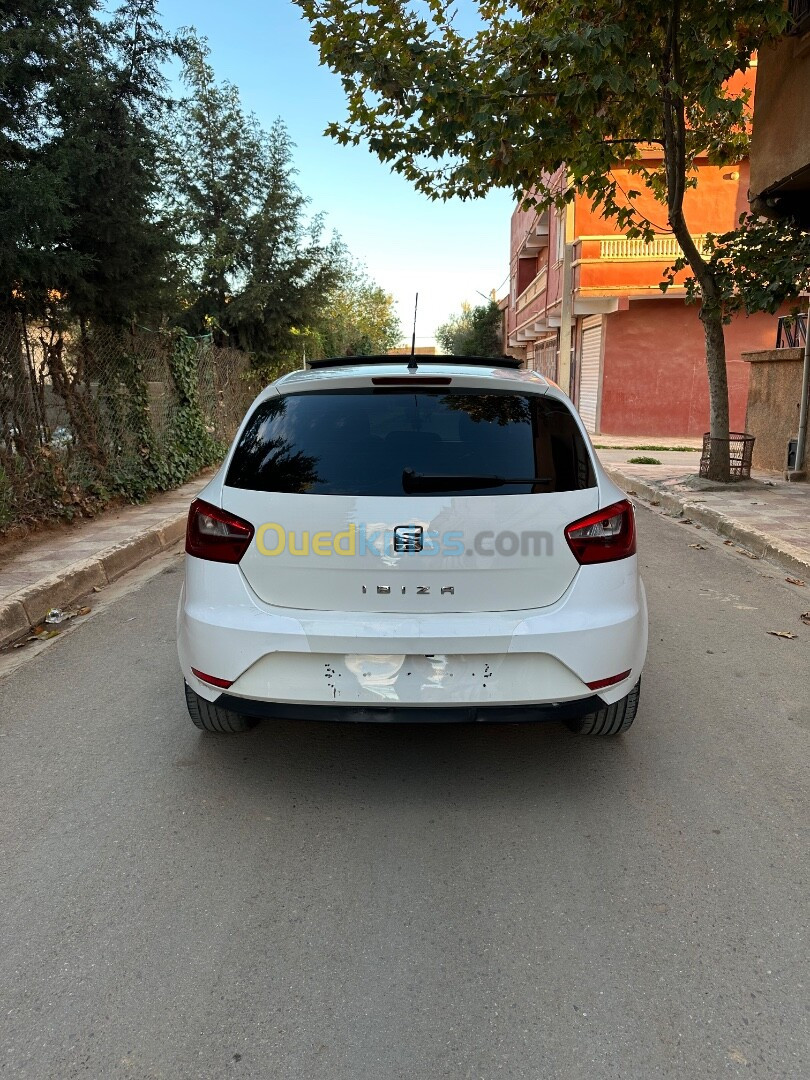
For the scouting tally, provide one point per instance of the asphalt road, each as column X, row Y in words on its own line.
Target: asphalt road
column 330, row 902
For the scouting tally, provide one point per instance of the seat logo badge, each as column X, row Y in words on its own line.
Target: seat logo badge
column 408, row 538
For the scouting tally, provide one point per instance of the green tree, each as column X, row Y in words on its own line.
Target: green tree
column 358, row 319
column 759, row 265
column 110, row 104
column 253, row 264
column 287, row 269
column 214, row 157
column 80, row 98
column 34, row 56
column 476, row 331
column 538, row 85
column 33, row 35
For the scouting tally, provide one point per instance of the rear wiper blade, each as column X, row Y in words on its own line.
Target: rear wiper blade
column 414, row 481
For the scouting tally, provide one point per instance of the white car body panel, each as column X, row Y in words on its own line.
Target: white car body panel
column 230, row 632
column 301, row 630
column 479, row 581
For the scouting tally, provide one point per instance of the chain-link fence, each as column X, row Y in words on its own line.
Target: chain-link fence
column 90, row 415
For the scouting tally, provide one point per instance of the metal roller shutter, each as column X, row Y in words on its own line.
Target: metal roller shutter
column 589, row 370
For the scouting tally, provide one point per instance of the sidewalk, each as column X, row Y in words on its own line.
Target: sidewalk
column 55, row 568
column 765, row 515
column 634, row 442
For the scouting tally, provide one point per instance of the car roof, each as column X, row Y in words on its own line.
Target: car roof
column 464, row 371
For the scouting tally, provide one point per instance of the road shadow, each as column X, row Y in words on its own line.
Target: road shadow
column 408, row 764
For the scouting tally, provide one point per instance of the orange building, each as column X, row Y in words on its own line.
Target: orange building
column 585, row 308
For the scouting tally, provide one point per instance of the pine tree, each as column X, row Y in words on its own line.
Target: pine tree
column 213, row 163
column 111, row 104
column 80, row 102
column 34, row 35
column 253, row 264
column 288, row 270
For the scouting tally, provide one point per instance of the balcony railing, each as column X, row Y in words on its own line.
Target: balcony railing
column 661, row 248
column 791, row 332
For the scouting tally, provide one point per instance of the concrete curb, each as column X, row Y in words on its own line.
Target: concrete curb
column 789, row 557
column 26, row 607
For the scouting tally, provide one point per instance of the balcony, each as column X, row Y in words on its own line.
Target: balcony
column 536, row 238
column 661, row 248
column 791, row 332
column 614, row 265
column 533, row 290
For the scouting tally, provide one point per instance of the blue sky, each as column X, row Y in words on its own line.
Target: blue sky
column 449, row 252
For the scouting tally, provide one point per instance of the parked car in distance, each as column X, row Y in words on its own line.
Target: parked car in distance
column 412, row 539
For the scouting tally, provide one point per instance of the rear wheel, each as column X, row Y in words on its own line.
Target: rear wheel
column 610, row 719
column 208, row 716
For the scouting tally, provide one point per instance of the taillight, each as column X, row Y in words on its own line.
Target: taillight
column 607, row 535
column 215, row 534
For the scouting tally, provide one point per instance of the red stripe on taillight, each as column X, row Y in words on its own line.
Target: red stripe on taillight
column 223, row 684
column 601, row 683
column 605, row 536
column 216, row 535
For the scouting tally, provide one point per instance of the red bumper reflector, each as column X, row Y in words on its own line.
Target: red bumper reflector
column 223, row 684
column 600, row 683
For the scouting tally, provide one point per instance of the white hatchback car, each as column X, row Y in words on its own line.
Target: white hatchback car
column 393, row 542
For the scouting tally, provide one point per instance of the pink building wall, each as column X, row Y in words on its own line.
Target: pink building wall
column 654, row 377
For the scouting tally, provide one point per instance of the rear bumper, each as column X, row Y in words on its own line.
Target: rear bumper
column 413, row 714
column 377, row 666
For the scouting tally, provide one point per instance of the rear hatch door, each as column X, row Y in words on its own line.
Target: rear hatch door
column 410, row 500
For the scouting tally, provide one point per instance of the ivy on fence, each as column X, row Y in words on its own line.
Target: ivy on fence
column 90, row 414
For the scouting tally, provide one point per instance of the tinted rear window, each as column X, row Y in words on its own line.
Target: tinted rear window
column 361, row 442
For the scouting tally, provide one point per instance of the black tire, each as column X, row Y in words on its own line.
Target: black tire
column 611, row 719
column 208, row 716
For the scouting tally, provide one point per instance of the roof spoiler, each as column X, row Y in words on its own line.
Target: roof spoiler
column 475, row 361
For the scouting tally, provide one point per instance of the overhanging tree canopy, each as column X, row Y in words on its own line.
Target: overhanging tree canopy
column 533, row 86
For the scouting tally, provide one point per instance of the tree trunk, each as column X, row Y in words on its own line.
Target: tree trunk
column 712, row 320
column 23, row 406
column 711, row 311
column 711, row 315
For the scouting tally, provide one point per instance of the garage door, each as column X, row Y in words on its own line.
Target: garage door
column 590, row 355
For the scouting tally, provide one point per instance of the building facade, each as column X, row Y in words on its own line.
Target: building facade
column 780, row 144
column 585, row 308
column 780, row 188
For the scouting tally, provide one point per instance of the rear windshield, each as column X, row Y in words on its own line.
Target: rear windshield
column 397, row 441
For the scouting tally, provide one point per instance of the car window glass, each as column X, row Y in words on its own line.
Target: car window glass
column 361, row 442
